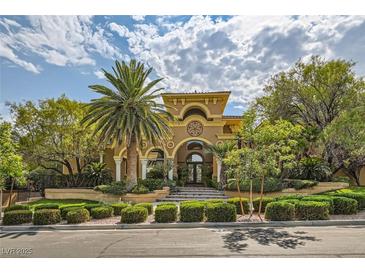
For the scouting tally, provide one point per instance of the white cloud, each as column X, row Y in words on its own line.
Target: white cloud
column 59, row 40
column 99, row 74
column 238, row 54
column 138, row 17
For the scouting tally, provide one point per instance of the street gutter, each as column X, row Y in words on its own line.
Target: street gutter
column 180, row 225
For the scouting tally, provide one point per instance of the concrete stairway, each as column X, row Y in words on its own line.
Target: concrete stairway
column 193, row 193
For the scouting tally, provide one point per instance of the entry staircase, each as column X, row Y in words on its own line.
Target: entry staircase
column 193, row 193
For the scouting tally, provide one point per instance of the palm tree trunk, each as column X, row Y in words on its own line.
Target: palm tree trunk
column 132, row 161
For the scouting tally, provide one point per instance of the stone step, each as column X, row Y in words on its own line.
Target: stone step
column 195, row 188
column 167, row 199
column 198, row 190
column 197, row 193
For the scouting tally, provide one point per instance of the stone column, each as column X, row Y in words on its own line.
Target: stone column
column 118, row 161
column 170, row 165
column 101, row 157
column 144, row 163
column 219, row 168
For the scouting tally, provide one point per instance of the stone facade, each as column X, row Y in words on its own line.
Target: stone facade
column 199, row 121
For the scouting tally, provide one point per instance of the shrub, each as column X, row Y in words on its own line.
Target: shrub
column 343, row 205
column 152, row 184
column 221, row 212
column 46, row 206
column 115, row 188
column 301, row 184
column 139, row 189
column 359, row 197
column 265, row 202
column 192, row 212
column 310, row 210
column 167, row 203
column 236, row 203
column 271, row 184
column 322, row 198
column 165, row 213
column 148, row 206
column 212, row 201
column 90, row 206
column 77, row 216
column 280, row 211
column 65, row 209
column 312, row 168
column 289, row 197
column 17, row 217
column 118, row 207
column 102, row 212
column 134, row 214
column 47, row 217
column 17, row 207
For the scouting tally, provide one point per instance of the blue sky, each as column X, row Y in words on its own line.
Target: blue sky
column 46, row 56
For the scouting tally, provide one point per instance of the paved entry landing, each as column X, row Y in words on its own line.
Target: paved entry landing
column 193, row 193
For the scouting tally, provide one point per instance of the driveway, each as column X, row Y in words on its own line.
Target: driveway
column 345, row 241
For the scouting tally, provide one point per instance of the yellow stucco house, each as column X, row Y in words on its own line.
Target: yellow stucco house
column 199, row 121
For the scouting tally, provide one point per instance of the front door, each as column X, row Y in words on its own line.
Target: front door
column 195, row 164
column 195, row 173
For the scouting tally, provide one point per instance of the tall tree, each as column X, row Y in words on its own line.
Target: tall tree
column 11, row 163
column 345, row 141
column 220, row 151
column 128, row 111
column 313, row 93
column 50, row 135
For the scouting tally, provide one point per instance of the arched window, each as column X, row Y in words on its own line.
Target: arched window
column 194, row 111
column 194, row 158
column 194, row 145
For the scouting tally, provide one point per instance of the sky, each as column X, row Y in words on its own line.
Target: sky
column 47, row 56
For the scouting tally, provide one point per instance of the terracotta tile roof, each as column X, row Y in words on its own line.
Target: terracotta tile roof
column 196, row 92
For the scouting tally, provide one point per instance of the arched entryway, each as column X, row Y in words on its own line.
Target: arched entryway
column 194, row 165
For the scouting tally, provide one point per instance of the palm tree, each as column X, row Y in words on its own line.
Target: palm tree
column 128, row 112
column 220, row 151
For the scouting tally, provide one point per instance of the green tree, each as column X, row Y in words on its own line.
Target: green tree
column 220, row 151
column 11, row 163
column 129, row 112
column 50, row 135
column 312, row 94
column 345, row 139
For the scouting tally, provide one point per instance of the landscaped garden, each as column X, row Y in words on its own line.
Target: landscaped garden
column 324, row 206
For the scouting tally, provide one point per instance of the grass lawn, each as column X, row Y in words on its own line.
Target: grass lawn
column 62, row 202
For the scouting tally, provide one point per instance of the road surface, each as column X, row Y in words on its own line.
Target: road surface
column 345, row 241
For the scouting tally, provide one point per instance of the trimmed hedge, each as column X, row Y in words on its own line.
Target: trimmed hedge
column 17, row 217
column 212, row 201
column 265, row 202
column 64, row 210
column 289, row 197
column 343, row 205
column 78, row 216
column 118, row 207
column 236, row 202
column 17, row 207
column 311, row 210
column 47, row 217
column 192, row 212
column 90, row 206
column 46, row 206
column 101, row 212
column 280, row 211
column 359, row 197
column 165, row 213
column 148, row 206
column 271, row 184
column 221, row 212
column 133, row 215
column 322, row 198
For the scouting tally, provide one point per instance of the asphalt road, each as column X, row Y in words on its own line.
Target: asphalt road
column 346, row 241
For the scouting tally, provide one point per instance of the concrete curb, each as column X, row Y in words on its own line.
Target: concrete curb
column 181, row 225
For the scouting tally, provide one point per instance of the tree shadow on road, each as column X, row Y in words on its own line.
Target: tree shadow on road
column 14, row 235
column 235, row 240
